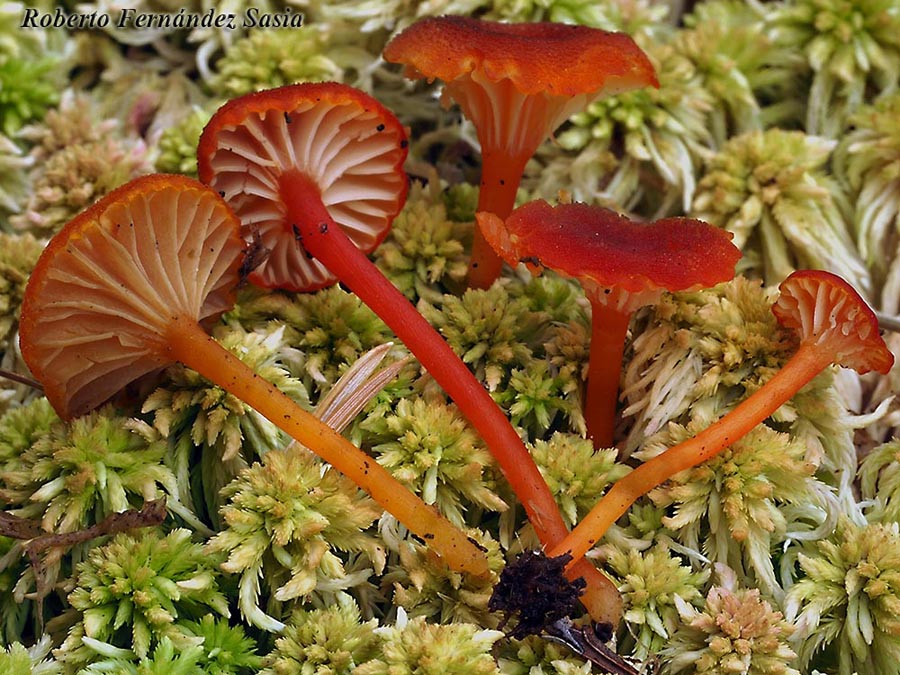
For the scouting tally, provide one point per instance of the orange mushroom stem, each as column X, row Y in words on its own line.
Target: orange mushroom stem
column 517, row 82
column 836, row 327
column 316, row 170
column 120, row 291
column 621, row 265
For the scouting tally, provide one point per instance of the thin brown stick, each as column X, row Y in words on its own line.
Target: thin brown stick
column 152, row 513
column 21, row 379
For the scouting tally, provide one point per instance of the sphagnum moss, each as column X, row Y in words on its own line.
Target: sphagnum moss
column 424, row 254
column 756, row 497
column 850, row 47
column 663, row 135
column 272, row 58
column 287, row 520
column 430, row 448
column 736, row 631
column 726, row 67
column 846, row 602
column 650, row 581
column 16, row 659
column 866, row 162
column 136, row 590
column 771, row 189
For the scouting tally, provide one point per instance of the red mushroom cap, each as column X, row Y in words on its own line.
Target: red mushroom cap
column 826, row 310
column 556, row 58
column 604, row 249
column 346, row 142
column 107, row 287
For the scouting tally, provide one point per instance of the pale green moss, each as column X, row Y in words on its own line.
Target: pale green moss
column 535, row 656
column 76, row 474
column 740, row 66
column 424, row 254
column 18, row 256
column 664, row 134
column 272, row 58
column 756, row 496
column 33, row 69
column 736, row 631
column 288, row 519
column 867, row 162
column 489, row 330
column 771, row 189
column 416, row 647
column 846, row 602
column 576, row 474
column 139, row 588
column 330, row 329
column 13, row 178
column 77, row 160
column 879, row 475
column 213, row 433
column 178, row 144
column 650, row 581
column 19, row 660
column 695, row 354
column 425, row 587
column 429, row 446
column 852, row 48
column 328, row 641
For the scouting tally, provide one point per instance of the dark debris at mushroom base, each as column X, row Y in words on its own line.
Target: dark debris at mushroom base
column 533, row 590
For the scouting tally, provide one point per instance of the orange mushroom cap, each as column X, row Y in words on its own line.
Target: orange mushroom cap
column 826, row 310
column 555, row 58
column 516, row 83
column 604, row 249
column 103, row 293
column 349, row 145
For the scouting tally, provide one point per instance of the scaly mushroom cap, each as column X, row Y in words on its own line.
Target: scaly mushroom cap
column 555, row 58
column 519, row 81
column 606, row 250
column 826, row 310
column 345, row 141
column 106, row 288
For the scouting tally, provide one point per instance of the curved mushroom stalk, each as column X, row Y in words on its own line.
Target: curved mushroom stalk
column 316, row 169
column 517, row 83
column 836, row 327
column 120, row 292
column 621, row 265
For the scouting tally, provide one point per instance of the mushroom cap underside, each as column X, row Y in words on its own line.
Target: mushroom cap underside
column 826, row 310
column 554, row 58
column 109, row 285
column 608, row 250
column 350, row 146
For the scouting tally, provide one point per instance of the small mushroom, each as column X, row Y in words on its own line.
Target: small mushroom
column 517, row 82
column 308, row 166
column 121, row 290
column 622, row 266
column 836, row 327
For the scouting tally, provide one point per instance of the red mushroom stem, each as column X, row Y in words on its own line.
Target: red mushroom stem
column 327, row 242
column 609, row 328
column 500, row 179
column 836, row 327
column 621, row 265
column 803, row 367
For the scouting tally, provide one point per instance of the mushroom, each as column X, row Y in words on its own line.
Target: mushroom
column 622, row 266
column 122, row 290
column 310, row 167
column 517, row 83
column 836, row 327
